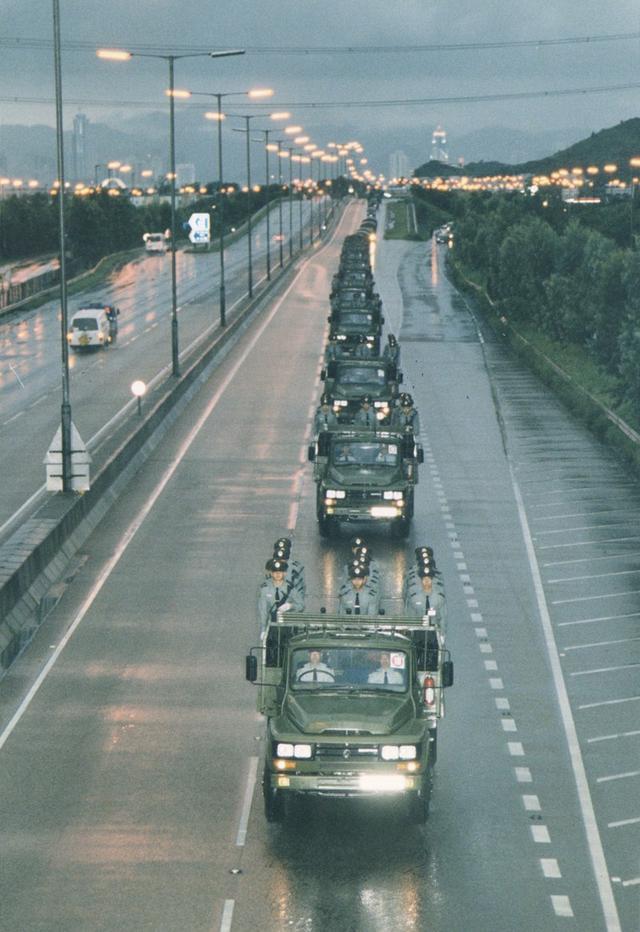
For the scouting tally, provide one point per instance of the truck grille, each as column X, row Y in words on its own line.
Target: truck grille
column 346, row 752
column 356, row 496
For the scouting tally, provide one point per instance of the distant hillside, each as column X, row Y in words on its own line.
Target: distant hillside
column 616, row 144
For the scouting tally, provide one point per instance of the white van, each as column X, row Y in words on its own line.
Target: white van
column 155, row 242
column 89, row 327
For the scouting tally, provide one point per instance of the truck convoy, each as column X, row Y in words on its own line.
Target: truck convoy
column 353, row 699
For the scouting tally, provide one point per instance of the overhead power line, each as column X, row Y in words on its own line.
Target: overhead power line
column 25, row 42
column 351, row 104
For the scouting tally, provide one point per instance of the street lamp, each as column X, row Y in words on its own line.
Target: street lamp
column 289, row 155
column 247, row 129
column 65, row 408
column 219, row 116
column 121, row 55
column 298, row 160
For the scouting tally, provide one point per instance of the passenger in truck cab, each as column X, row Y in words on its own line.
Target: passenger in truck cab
column 384, row 674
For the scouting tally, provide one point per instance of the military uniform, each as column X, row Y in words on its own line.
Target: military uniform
column 401, row 420
column 324, row 420
column 366, row 417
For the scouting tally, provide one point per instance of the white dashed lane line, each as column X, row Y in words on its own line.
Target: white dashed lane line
column 539, row 833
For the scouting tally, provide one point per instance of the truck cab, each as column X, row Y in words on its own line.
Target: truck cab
column 348, row 712
column 348, row 380
column 365, row 476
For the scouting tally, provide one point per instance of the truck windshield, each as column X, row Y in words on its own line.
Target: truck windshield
column 84, row 323
column 349, row 667
column 360, row 375
column 360, row 453
column 350, row 319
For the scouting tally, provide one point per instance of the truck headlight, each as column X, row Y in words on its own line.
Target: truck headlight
column 340, row 403
column 398, row 752
column 335, row 493
column 342, row 336
column 284, row 750
column 381, row 404
column 300, row 751
column 392, row 496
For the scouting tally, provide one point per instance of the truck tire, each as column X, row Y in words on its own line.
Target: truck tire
column 273, row 800
column 401, row 527
column 419, row 811
column 326, row 526
column 433, row 746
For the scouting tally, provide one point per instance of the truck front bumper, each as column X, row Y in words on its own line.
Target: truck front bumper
column 347, row 784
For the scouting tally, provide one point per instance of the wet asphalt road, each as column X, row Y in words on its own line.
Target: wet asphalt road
column 30, row 364
column 127, row 788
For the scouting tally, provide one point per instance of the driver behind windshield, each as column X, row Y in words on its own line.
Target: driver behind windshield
column 315, row 671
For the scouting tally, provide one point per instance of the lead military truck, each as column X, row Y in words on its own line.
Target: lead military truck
column 351, row 731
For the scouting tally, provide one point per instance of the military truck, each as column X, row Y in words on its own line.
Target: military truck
column 349, row 327
column 361, row 726
column 365, row 475
column 347, row 381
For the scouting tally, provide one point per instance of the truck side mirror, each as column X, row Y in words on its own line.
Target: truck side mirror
column 323, row 374
column 447, row 673
column 311, row 453
column 251, row 668
column 400, row 378
column 382, row 320
column 420, row 455
column 332, row 369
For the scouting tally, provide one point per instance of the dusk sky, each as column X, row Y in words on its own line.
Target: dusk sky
column 334, row 75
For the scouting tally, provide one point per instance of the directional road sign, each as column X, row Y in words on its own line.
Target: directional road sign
column 200, row 229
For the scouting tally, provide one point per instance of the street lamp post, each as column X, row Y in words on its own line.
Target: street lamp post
column 298, row 160
column 247, row 121
column 280, row 248
column 120, row 55
column 289, row 150
column 268, row 199
column 65, row 409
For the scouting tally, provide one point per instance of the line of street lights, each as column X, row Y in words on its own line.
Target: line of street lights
column 282, row 151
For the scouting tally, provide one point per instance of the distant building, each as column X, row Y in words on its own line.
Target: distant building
column 80, row 128
column 439, row 148
column 399, row 166
column 185, row 173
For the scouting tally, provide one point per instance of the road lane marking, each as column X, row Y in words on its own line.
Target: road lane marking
column 531, row 803
column 38, row 401
column 588, row 543
column 594, row 841
column 591, row 621
column 621, row 734
column 597, row 705
column 623, row 822
column 586, row 527
column 594, row 559
column 601, row 643
column 624, row 666
column 562, row 906
column 227, row 916
column 515, row 748
column 241, row 837
column 14, row 418
column 550, row 868
column 502, row 704
column 508, row 724
column 495, row 682
column 633, row 882
column 523, row 774
column 490, row 665
column 619, row 776
column 540, row 834
column 594, row 576
column 590, row 598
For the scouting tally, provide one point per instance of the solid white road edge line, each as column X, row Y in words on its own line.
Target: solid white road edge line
column 594, row 841
column 135, row 525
